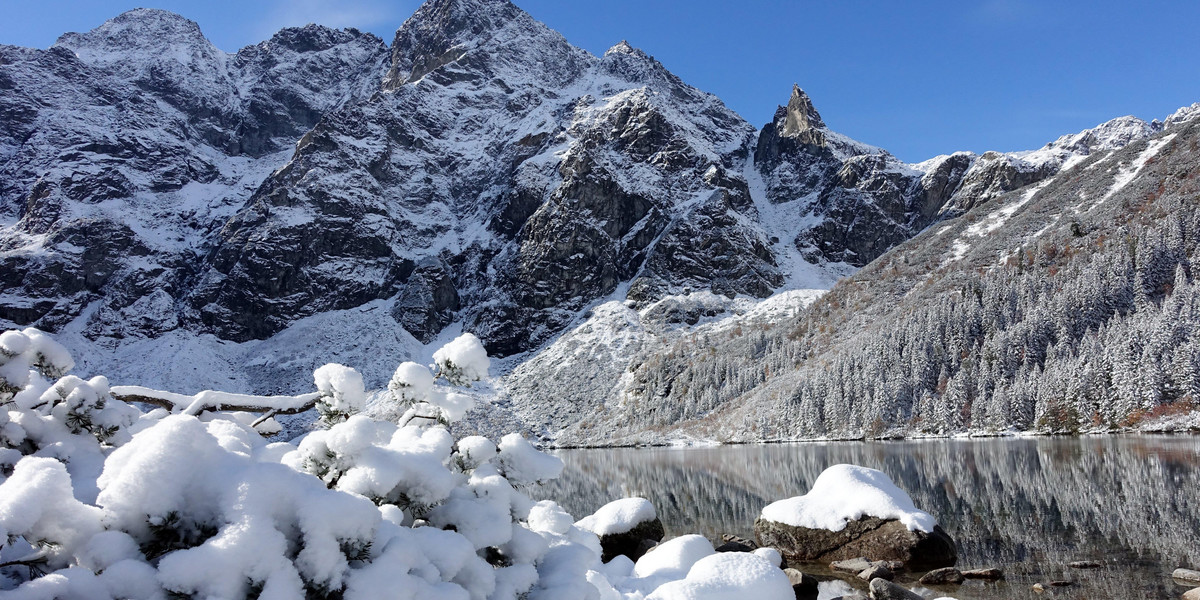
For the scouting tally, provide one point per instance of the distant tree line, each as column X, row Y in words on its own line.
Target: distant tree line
column 1057, row 339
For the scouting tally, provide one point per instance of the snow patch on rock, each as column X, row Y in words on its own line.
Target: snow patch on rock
column 844, row 493
column 618, row 516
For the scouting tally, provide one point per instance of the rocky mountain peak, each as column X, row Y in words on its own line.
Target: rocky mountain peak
column 441, row 31
column 801, row 119
column 621, row 47
column 1110, row 135
column 1183, row 115
column 315, row 38
column 136, row 31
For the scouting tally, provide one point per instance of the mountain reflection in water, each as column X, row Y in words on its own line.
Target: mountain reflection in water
column 1026, row 505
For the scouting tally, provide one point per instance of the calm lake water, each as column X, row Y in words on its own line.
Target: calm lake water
column 1028, row 506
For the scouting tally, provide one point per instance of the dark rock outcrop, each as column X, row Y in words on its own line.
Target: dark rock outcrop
column 428, row 301
column 733, row 543
column 870, row 537
column 991, row 574
column 633, row 542
column 804, row 585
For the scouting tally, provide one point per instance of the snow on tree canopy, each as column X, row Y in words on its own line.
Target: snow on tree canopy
column 411, row 383
column 844, row 493
column 104, row 502
column 463, row 360
column 342, row 388
column 618, row 516
column 524, row 464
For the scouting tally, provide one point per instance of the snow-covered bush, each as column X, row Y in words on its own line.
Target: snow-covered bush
column 103, row 501
column 414, row 391
column 342, row 393
column 463, row 360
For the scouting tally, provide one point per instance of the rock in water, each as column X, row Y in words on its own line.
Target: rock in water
column 1187, row 575
column 882, row 589
column 948, row 575
column 625, row 527
column 1084, row 564
column 855, row 512
column 733, row 543
column 805, row 585
column 877, row 571
column 851, row 565
column 992, row 574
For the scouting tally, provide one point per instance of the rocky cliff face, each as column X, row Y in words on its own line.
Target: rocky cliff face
column 481, row 172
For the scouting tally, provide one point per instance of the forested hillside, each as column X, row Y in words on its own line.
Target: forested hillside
column 1065, row 306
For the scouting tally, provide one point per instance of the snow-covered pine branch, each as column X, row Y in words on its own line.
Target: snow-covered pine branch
column 99, row 500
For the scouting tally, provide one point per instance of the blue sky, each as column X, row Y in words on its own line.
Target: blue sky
column 918, row 79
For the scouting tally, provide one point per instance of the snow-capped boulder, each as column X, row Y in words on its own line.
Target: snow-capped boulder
column 623, row 526
column 854, row 511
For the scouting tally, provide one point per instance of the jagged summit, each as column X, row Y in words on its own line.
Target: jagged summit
column 621, row 47
column 1110, row 135
column 314, row 38
column 1183, row 115
column 801, row 119
column 442, row 31
column 137, row 29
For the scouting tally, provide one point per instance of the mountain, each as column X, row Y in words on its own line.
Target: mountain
column 187, row 218
column 1068, row 305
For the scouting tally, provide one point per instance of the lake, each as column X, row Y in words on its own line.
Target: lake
column 1026, row 505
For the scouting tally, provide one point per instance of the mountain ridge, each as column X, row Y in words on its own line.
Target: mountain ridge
column 481, row 173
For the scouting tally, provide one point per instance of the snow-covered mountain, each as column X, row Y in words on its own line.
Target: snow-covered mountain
column 188, row 218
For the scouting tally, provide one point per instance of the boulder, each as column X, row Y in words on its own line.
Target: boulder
column 803, row 584
column 991, row 573
column 1084, row 564
column 870, row 537
column 629, row 527
column 733, row 543
column 633, row 543
column 851, row 565
column 876, row 571
column 852, row 511
column 882, row 589
column 1192, row 594
column 1187, row 575
column 944, row 576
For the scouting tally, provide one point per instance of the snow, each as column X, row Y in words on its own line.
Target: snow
column 770, row 555
column 729, row 576
column 999, row 217
column 204, row 506
column 673, row 558
column 618, row 516
column 463, row 360
column 524, row 464
column 341, row 387
column 37, row 500
column 411, row 382
column 844, row 493
column 210, row 399
column 1127, row 173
